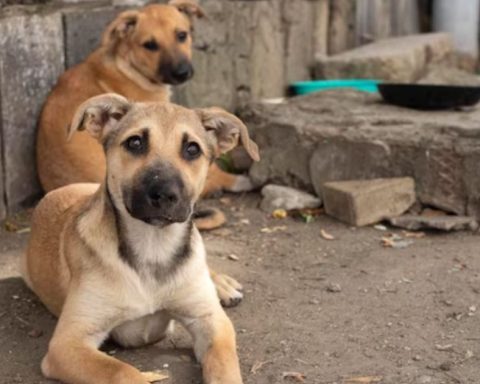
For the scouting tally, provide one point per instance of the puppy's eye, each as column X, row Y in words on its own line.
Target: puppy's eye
column 151, row 45
column 135, row 144
column 191, row 151
column 182, row 36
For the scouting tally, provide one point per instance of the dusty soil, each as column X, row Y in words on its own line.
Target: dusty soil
column 329, row 309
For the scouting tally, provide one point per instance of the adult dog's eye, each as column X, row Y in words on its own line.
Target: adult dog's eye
column 191, row 151
column 135, row 144
column 182, row 36
column 151, row 45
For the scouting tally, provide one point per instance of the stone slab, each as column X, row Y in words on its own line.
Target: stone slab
column 364, row 202
column 397, row 59
column 344, row 135
column 443, row 223
column 31, row 61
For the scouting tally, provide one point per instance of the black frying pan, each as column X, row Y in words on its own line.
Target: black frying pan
column 429, row 97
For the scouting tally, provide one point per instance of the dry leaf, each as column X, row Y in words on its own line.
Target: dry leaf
column 154, row 376
column 297, row 376
column 273, row 229
column 447, row 347
column 279, row 214
column 363, row 380
column 326, row 235
column 258, row 365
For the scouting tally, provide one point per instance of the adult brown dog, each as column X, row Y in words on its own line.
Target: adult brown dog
column 123, row 258
column 142, row 53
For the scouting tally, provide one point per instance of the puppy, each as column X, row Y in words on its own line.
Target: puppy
column 123, row 258
column 142, row 53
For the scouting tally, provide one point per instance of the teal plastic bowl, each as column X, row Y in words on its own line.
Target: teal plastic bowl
column 305, row 87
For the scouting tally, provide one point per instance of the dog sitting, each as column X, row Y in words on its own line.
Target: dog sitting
column 124, row 258
column 142, row 53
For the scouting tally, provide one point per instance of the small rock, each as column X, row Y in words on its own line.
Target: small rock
column 446, row 366
column 280, row 197
column 333, row 288
column 233, row 257
column 417, row 358
column 444, row 223
column 35, row 333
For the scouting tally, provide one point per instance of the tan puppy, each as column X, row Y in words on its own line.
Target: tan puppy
column 123, row 258
column 142, row 53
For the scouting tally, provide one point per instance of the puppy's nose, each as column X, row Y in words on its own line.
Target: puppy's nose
column 163, row 194
column 183, row 71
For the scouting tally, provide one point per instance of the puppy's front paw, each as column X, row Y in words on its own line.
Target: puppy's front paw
column 229, row 290
column 242, row 184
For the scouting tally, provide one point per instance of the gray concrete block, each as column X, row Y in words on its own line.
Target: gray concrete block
column 401, row 59
column 31, row 61
column 83, row 31
column 364, row 202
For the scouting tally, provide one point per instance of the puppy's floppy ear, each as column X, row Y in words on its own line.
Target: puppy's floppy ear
column 120, row 27
column 227, row 130
column 99, row 115
column 189, row 7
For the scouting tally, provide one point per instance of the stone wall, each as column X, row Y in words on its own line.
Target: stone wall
column 244, row 50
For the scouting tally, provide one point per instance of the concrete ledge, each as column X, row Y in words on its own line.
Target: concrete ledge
column 348, row 135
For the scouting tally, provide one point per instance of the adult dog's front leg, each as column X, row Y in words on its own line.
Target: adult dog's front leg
column 215, row 347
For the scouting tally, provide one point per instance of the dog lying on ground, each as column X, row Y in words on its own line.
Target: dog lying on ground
column 142, row 53
column 123, row 258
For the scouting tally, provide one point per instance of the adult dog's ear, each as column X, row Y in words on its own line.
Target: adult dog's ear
column 226, row 131
column 99, row 115
column 189, row 7
column 123, row 25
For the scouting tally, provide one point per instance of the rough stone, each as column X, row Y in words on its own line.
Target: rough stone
column 398, row 59
column 83, row 29
column 213, row 83
column 344, row 135
column 31, row 62
column 364, row 202
column 444, row 223
column 281, row 197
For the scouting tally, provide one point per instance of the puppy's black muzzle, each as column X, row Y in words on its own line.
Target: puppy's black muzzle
column 160, row 198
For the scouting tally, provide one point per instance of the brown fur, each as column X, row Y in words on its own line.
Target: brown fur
column 122, row 65
column 74, row 261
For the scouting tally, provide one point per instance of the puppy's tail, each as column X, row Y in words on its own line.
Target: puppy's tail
column 208, row 218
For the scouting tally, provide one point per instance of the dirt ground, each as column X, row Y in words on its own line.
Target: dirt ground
column 340, row 311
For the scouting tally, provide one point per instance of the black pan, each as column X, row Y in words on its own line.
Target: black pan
column 429, row 97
